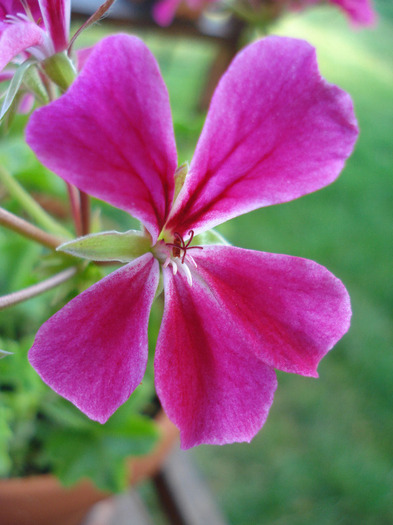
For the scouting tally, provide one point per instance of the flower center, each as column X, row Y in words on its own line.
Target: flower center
column 179, row 247
column 179, row 251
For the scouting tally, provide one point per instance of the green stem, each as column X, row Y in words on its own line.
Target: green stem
column 32, row 291
column 30, row 205
column 16, row 224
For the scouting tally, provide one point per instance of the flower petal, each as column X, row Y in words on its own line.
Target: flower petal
column 93, row 351
column 111, row 134
column 211, row 386
column 274, row 132
column 56, row 15
column 164, row 11
column 16, row 38
column 360, row 12
column 290, row 311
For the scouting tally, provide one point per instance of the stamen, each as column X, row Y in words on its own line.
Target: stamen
column 15, row 19
column 191, row 260
column 171, row 262
column 174, row 267
column 186, row 271
column 180, row 247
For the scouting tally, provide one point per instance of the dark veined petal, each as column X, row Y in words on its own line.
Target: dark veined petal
column 275, row 131
column 56, row 15
column 111, row 134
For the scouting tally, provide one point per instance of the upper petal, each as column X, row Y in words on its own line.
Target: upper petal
column 17, row 37
column 111, row 134
column 290, row 311
column 56, row 15
column 275, row 131
column 93, row 351
column 209, row 383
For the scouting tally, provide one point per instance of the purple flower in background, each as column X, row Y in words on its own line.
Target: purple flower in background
column 275, row 131
column 33, row 27
column 360, row 12
column 164, row 10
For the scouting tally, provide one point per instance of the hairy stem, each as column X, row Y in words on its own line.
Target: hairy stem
column 16, row 224
column 36, row 289
column 30, row 205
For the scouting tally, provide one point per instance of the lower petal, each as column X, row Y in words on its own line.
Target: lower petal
column 290, row 311
column 93, row 351
column 210, row 385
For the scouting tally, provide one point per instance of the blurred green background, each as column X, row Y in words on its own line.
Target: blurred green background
column 325, row 453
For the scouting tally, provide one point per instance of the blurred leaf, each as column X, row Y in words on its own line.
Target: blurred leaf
column 99, row 452
column 15, row 84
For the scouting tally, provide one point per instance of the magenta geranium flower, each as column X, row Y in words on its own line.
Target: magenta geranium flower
column 275, row 131
column 38, row 28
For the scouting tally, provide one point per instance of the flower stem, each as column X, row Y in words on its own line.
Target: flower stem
column 32, row 291
column 30, row 205
column 85, row 212
column 75, row 205
column 16, row 224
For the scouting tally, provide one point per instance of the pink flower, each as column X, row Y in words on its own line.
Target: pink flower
column 274, row 132
column 33, row 27
column 360, row 12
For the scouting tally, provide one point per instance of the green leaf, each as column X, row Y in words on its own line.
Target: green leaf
column 99, row 452
column 14, row 86
column 109, row 246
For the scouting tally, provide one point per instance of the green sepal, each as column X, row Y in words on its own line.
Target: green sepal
column 209, row 237
column 109, row 246
column 34, row 84
column 60, row 69
column 14, row 86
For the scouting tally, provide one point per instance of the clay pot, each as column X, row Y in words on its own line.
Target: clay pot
column 42, row 500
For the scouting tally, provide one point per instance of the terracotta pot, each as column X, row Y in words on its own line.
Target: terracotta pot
column 42, row 500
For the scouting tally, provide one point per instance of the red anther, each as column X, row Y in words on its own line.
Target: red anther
column 179, row 245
